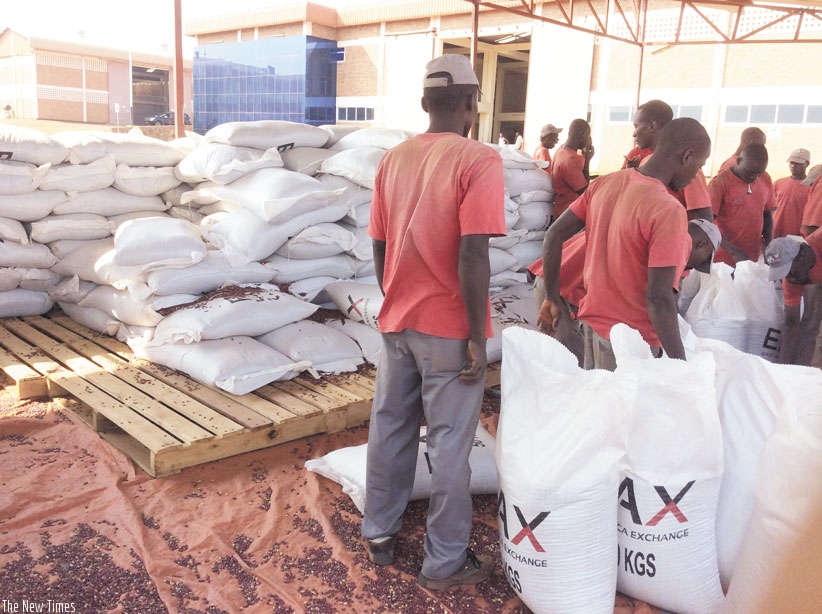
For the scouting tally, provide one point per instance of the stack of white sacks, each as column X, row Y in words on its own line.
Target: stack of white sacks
column 121, row 229
column 701, row 474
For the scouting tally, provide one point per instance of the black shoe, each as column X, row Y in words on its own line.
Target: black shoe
column 381, row 549
column 475, row 570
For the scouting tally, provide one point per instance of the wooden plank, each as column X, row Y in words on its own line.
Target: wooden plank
column 218, row 400
column 180, row 402
column 103, row 405
column 328, row 389
column 156, row 412
column 295, row 406
column 317, row 399
column 28, row 383
column 352, row 386
column 493, row 374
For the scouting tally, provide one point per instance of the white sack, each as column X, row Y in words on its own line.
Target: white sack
column 238, row 365
column 18, row 303
column 121, row 305
column 341, row 266
column 518, row 181
column 500, row 261
column 21, row 177
column 91, row 262
column 384, row 138
column 346, row 466
column 325, row 348
column 337, row 131
column 107, row 202
column 265, row 134
column 716, row 311
column 312, row 289
column 247, row 310
column 32, row 146
column 91, row 317
column 787, row 503
column 133, row 148
column 223, row 164
column 41, row 280
column 64, row 247
column 357, row 301
column 9, row 279
column 211, row 273
column 358, row 165
column 32, row 256
column 243, row 237
column 144, row 180
column 369, row 340
column 81, row 177
column 71, row 290
column 273, row 194
column 306, row 160
column 764, row 308
column 318, row 241
column 534, row 215
column 72, row 226
column 12, row 230
column 669, row 491
column 562, row 432
column 526, row 252
column 30, row 207
column 157, row 242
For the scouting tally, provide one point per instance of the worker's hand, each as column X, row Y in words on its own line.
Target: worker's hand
column 549, row 317
column 475, row 362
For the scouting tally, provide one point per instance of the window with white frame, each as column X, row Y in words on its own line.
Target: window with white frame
column 355, row 114
column 782, row 114
column 620, row 113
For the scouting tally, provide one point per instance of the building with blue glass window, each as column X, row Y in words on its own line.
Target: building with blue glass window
column 291, row 78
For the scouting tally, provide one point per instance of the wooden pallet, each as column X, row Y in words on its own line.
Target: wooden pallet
column 163, row 420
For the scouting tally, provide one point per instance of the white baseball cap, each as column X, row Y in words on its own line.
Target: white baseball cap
column 714, row 236
column 779, row 255
column 457, row 66
column 800, row 155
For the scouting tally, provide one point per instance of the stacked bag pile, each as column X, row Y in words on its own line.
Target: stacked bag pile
column 120, row 230
column 698, row 473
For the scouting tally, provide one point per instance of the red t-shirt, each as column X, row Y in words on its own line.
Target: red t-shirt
column 632, row 223
column 739, row 214
column 695, row 195
column 429, row 192
column 566, row 171
column 542, row 153
column 791, row 197
column 812, row 215
column 571, row 284
column 793, row 292
column 637, row 152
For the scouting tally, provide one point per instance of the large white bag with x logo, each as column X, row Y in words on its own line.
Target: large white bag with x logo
column 561, row 435
column 358, row 301
column 669, row 489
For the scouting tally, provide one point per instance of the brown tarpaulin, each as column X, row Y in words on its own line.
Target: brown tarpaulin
column 80, row 525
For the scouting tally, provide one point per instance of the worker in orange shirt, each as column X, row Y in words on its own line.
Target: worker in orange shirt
column 569, row 168
column 637, row 245
column 743, row 206
column 791, row 195
column 548, row 138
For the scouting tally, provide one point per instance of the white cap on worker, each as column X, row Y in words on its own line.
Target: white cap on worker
column 714, row 236
column 549, row 129
column 779, row 255
column 800, row 155
column 457, row 66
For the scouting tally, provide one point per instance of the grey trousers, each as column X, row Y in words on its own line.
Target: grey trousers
column 418, row 376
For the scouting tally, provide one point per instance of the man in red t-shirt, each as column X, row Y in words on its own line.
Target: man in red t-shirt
column 637, row 245
column 649, row 119
column 438, row 197
column 798, row 263
column 548, row 138
column 743, row 207
column 569, row 168
column 749, row 136
column 791, row 195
